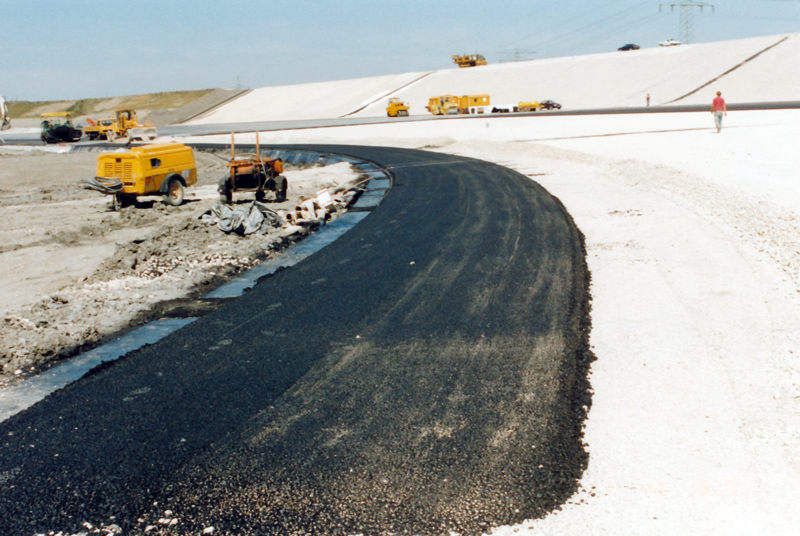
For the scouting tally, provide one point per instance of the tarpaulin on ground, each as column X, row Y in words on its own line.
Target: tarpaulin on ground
column 246, row 219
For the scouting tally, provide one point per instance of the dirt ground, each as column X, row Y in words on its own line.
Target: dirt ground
column 76, row 273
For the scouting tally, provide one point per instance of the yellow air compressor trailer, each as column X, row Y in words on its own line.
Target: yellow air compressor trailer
column 164, row 169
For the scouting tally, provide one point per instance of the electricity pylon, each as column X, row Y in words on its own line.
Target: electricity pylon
column 687, row 17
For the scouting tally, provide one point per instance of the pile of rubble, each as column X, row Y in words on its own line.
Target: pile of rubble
column 256, row 217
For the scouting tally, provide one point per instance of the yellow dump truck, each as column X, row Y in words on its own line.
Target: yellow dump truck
column 469, row 60
column 397, row 108
column 164, row 169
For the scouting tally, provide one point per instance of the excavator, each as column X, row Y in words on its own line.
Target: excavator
column 4, row 113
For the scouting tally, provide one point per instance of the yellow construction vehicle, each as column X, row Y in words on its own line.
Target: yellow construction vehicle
column 160, row 168
column 57, row 127
column 98, row 129
column 452, row 105
column 529, row 107
column 443, row 105
column 397, row 108
column 126, row 125
column 469, row 60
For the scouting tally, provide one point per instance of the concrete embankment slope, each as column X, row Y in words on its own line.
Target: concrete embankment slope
column 745, row 70
column 309, row 101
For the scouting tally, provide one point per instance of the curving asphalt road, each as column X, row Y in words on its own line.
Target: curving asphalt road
column 425, row 373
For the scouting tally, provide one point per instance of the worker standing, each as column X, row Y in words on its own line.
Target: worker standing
column 719, row 109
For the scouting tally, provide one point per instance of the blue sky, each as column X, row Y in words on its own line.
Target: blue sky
column 67, row 49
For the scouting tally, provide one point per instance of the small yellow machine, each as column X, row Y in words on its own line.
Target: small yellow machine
column 397, row 108
column 161, row 168
column 530, row 106
column 469, row 60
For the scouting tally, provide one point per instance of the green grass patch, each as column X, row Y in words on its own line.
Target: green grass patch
column 18, row 109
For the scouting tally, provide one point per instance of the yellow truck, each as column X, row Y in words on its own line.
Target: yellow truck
column 469, row 60
column 397, row 108
column 99, row 129
column 164, row 169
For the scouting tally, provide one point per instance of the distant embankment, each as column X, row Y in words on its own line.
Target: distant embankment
column 750, row 70
column 747, row 71
column 162, row 108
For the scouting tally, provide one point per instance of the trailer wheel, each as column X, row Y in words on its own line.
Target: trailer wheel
column 281, row 186
column 260, row 195
column 225, row 193
column 120, row 201
column 174, row 194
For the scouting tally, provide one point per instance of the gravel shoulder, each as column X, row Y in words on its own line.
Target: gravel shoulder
column 695, row 423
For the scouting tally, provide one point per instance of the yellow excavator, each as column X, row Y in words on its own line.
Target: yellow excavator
column 123, row 124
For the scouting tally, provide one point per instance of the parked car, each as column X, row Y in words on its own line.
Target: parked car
column 550, row 105
column 669, row 43
column 629, row 46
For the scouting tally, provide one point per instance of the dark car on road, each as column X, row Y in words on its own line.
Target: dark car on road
column 550, row 105
column 629, row 46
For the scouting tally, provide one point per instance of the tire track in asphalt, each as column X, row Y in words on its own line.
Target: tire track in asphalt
column 426, row 372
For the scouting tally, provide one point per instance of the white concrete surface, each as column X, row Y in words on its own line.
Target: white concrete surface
column 309, row 101
column 606, row 80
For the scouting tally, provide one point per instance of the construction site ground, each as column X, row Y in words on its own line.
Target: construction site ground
column 76, row 272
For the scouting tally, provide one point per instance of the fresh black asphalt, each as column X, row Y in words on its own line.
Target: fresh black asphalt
column 425, row 373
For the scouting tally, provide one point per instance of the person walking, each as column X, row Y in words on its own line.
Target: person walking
column 719, row 109
column 648, row 100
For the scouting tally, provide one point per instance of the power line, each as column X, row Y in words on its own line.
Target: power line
column 594, row 25
column 686, row 21
column 517, row 54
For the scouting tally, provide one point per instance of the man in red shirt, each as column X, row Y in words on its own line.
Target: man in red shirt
column 719, row 109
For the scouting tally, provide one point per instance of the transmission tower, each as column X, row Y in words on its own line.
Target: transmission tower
column 687, row 17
